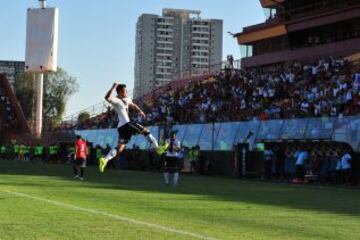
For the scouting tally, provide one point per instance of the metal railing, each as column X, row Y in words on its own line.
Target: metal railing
column 93, row 111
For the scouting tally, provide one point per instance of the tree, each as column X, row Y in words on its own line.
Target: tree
column 58, row 87
column 83, row 116
column 24, row 91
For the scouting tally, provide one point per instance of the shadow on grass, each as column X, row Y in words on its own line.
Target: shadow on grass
column 328, row 199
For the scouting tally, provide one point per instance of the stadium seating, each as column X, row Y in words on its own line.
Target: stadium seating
column 323, row 88
column 326, row 87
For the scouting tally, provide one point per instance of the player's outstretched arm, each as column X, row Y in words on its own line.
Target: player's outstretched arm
column 108, row 94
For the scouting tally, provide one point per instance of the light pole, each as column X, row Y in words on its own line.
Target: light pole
column 42, row 3
column 39, row 91
column 41, row 53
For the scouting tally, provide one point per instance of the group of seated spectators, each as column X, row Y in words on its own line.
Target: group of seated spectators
column 327, row 87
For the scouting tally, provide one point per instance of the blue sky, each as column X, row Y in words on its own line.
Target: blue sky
column 97, row 37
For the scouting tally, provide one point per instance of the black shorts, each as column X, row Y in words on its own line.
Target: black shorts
column 171, row 164
column 128, row 130
column 81, row 162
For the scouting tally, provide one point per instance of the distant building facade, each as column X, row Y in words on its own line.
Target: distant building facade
column 178, row 41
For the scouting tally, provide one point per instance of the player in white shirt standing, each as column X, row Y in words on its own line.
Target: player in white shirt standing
column 171, row 163
column 121, row 104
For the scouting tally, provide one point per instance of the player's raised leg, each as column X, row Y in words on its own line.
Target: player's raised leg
column 151, row 139
column 111, row 155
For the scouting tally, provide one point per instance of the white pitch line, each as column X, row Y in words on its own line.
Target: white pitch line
column 117, row 217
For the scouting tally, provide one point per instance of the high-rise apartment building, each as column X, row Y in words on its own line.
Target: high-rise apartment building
column 178, row 42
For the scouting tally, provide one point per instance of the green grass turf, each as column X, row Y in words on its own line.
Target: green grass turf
column 221, row 208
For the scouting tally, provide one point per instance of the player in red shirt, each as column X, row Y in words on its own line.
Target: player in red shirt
column 80, row 158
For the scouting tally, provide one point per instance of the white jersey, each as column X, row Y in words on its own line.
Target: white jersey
column 121, row 107
column 170, row 152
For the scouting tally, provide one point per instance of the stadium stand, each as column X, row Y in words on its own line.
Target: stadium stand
column 13, row 119
column 301, row 30
column 325, row 87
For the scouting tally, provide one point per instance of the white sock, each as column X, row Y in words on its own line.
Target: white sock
column 152, row 140
column 111, row 155
column 166, row 177
column 176, row 178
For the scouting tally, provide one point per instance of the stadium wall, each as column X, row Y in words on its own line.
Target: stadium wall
column 223, row 136
column 217, row 141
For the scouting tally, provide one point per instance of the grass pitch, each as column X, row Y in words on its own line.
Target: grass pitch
column 39, row 201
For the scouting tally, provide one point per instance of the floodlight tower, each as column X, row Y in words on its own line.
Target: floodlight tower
column 39, row 93
column 41, row 52
column 42, row 4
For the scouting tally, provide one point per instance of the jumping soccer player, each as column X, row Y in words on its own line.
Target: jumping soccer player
column 80, row 158
column 126, row 129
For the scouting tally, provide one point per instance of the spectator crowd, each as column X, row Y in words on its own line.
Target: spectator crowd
column 326, row 87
